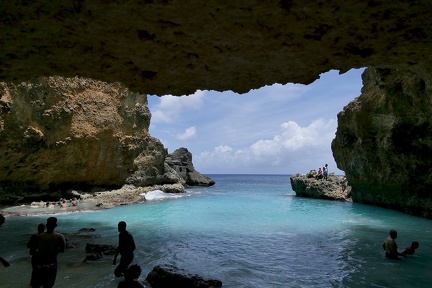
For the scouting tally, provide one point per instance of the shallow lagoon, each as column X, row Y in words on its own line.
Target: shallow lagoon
column 247, row 231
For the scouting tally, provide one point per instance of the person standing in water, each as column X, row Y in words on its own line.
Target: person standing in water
column 390, row 247
column 3, row 261
column 49, row 244
column 125, row 248
column 32, row 245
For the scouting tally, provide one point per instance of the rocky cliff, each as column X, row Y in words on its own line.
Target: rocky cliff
column 384, row 141
column 181, row 161
column 176, row 47
column 73, row 133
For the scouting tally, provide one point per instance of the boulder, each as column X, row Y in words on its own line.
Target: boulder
column 181, row 162
column 100, row 248
column 334, row 188
column 171, row 276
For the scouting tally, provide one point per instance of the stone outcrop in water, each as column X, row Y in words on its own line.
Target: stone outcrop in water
column 384, row 141
column 59, row 134
column 181, row 161
column 171, row 276
column 334, row 188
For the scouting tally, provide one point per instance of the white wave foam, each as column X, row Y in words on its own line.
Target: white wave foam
column 157, row 195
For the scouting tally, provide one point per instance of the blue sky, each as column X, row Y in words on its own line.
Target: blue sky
column 278, row 129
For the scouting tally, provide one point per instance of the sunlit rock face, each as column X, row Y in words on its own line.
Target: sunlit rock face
column 176, row 47
column 74, row 133
column 384, row 141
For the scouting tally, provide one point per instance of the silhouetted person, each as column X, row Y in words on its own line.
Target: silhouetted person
column 131, row 278
column 49, row 244
column 125, row 248
column 3, row 261
column 390, row 246
column 410, row 250
column 35, row 261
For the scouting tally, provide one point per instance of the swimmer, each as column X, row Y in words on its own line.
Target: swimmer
column 390, row 246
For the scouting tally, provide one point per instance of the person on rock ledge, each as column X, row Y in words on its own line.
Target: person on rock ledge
column 319, row 175
column 325, row 171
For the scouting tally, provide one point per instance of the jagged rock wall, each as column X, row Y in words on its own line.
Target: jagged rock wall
column 181, row 162
column 74, row 133
column 176, row 47
column 384, row 141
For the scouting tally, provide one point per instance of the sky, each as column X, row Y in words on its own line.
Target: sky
column 277, row 129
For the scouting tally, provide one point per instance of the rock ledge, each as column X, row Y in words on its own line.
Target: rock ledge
column 331, row 189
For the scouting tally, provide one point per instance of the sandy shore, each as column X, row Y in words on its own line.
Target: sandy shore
column 128, row 194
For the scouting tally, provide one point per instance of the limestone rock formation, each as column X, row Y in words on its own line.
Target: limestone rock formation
column 74, row 133
column 181, row 162
column 330, row 189
column 176, row 47
column 384, row 141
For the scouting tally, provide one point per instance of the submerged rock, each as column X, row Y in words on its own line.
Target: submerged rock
column 171, row 276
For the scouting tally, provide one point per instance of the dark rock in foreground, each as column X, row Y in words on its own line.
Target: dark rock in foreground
column 334, row 188
column 171, row 276
column 100, row 248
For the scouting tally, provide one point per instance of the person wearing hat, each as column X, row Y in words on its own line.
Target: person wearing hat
column 49, row 244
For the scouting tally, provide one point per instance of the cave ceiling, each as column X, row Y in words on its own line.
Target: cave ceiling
column 177, row 47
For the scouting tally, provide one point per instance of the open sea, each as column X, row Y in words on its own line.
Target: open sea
column 247, row 231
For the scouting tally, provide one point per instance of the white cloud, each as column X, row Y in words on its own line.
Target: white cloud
column 287, row 149
column 189, row 133
column 170, row 108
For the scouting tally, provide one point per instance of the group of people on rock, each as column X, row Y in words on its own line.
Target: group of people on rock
column 391, row 249
column 322, row 173
column 46, row 244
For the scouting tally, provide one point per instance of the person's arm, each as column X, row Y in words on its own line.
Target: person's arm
column 4, row 262
column 115, row 255
column 132, row 243
column 401, row 254
column 31, row 244
column 62, row 243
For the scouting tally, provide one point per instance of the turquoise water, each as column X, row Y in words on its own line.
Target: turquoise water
column 247, row 231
